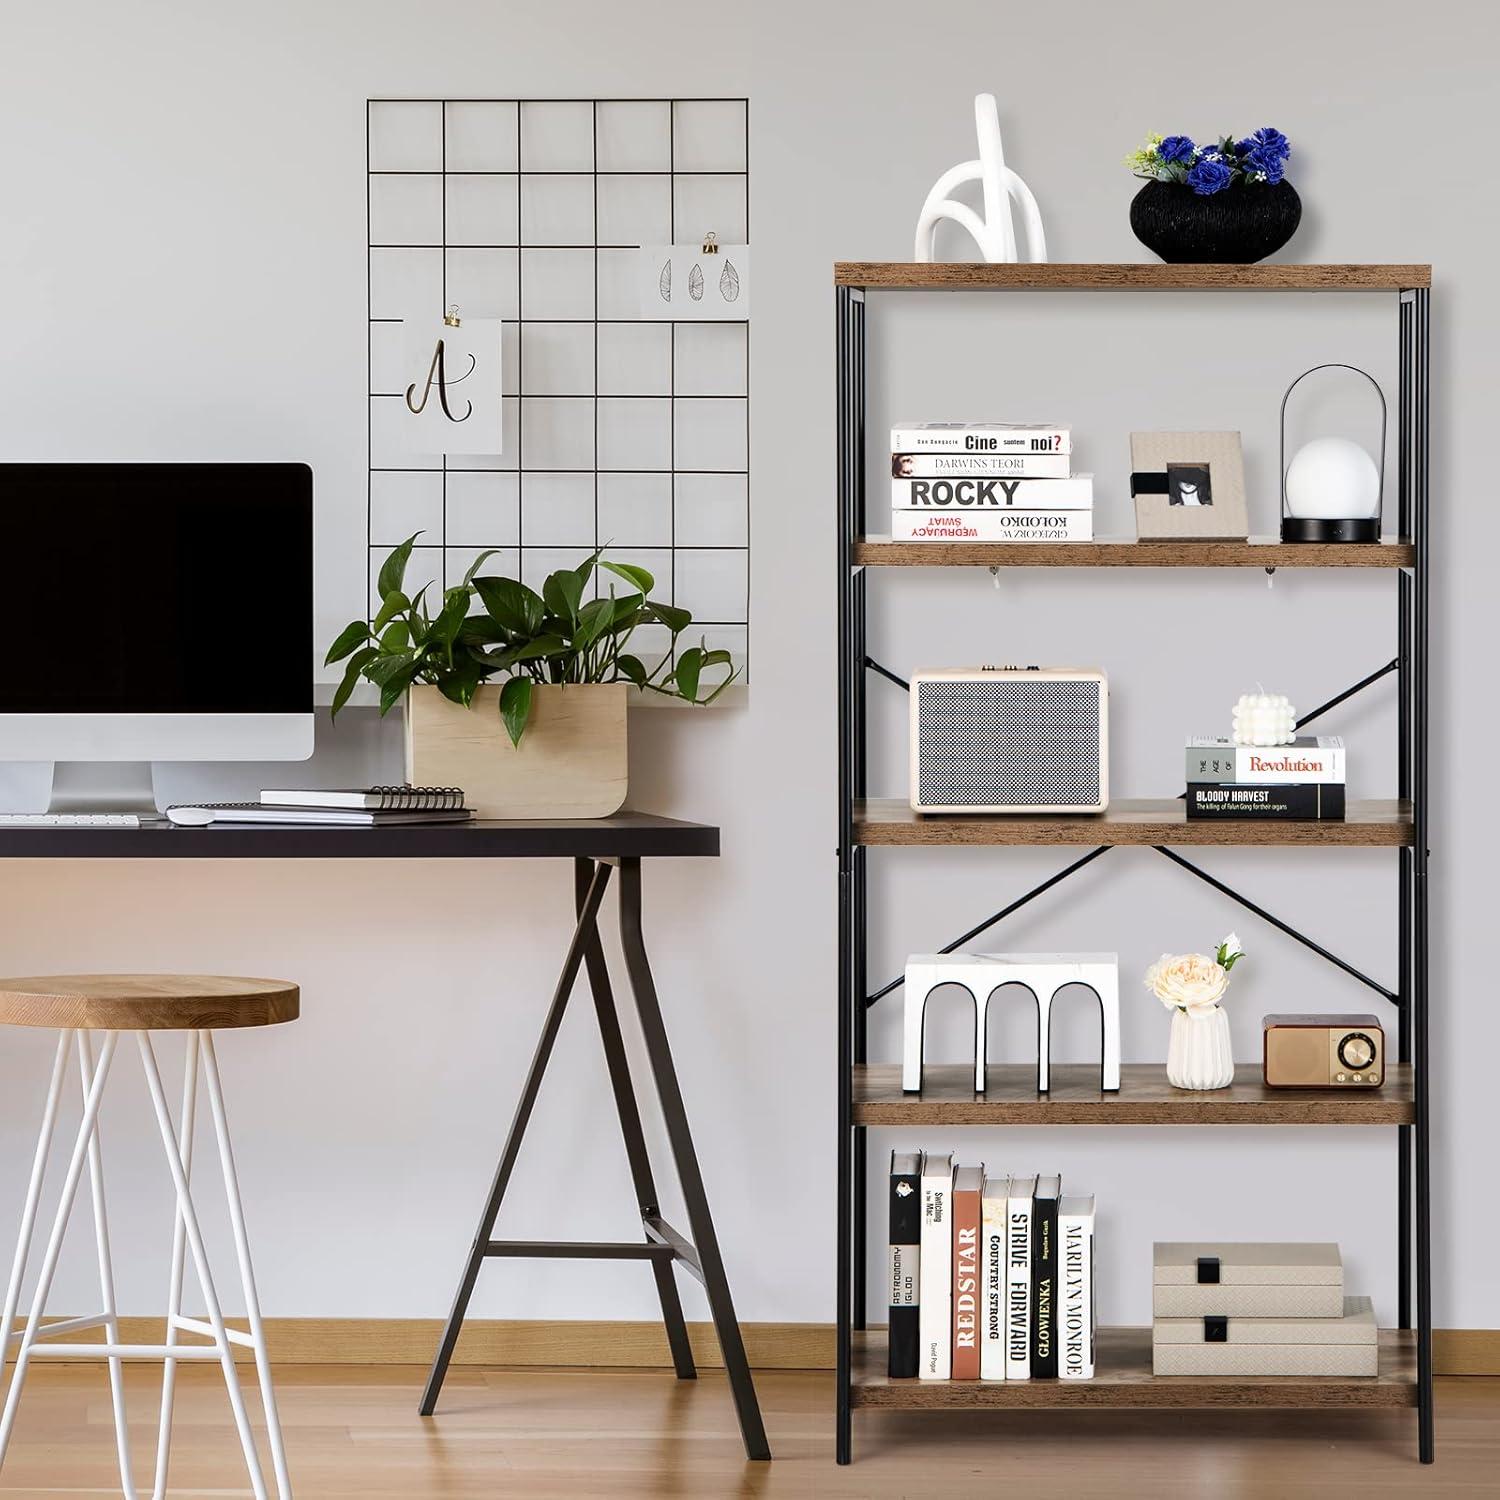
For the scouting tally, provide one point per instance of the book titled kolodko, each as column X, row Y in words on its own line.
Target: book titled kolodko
column 905, row 1257
column 1215, row 799
column 979, row 437
column 1044, row 1263
column 1309, row 758
column 978, row 493
column 968, row 1217
column 1019, row 526
column 980, row 465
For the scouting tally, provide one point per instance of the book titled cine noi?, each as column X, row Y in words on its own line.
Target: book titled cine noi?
column 979, row 437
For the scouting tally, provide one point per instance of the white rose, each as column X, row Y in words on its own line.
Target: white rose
column 1187, row 981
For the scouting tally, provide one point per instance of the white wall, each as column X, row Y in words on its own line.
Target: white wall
column 181, row 275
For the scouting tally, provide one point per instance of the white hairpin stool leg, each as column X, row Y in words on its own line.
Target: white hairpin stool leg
column 1107, row 983
column 106, row 1275
column 247, row 1272
column 33, row 1199
column 914, row 1007
column 981, row 1033
column 1044, row 990
column 54, row 1242
column 200, row 1261
column 187, row 1119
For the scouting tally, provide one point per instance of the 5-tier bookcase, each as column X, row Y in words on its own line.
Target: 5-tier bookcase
column 870, row 1093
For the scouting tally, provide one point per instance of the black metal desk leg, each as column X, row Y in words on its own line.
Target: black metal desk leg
column 700, row 1220
column 630, row 1125
column 587, row 917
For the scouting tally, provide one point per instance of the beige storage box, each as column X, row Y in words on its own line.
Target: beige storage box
column 1247, row 1281
column 1345, row 1345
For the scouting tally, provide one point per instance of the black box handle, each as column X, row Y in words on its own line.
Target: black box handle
column 1208, row 1270
column 1216, row 1330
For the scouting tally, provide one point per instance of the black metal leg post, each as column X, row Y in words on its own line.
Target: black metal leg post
column 630, row 1126
column 1421, row 686
column 700, row 1220
column 588, row 915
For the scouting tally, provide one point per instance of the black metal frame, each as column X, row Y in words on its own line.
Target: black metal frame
column 1410, row 995
column 662, row 1245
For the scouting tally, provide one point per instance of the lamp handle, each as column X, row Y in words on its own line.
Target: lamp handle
column 1287, row 396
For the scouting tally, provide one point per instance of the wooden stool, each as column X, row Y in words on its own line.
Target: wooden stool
column 78, row 1005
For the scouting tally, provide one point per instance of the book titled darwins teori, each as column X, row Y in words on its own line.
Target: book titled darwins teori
column 980, row 465
column 979, row 437
column 905, row 1255
column 992, row 1227
column 1044, row 1276
column 968, row 1198
column 1018, row 1279
column 935, row 1270
column 1075, row 1236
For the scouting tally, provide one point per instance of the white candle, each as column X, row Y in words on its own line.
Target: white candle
column 1264, row 719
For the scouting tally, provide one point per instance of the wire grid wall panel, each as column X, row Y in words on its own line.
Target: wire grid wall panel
column 619, row 431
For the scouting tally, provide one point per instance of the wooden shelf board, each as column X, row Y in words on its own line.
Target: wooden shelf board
column 886, row 821
column 1128, row 276
column 1124, row 1379
column 1145, row 1098
column 1125, row 552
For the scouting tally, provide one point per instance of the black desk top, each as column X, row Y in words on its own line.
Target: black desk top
column 626, row 835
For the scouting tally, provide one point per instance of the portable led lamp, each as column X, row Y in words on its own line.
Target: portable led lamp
column 1332, row 489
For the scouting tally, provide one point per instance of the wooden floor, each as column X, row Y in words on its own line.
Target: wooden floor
column 543, row 1435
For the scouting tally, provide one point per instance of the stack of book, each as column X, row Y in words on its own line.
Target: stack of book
column 346, row 807
column 1275, row 1309
column 1302, row 780
column 991, row 1278
column 987, row 482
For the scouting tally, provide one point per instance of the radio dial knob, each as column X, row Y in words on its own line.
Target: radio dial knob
column 1356, row 1050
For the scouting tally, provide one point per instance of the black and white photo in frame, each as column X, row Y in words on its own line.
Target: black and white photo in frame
column 1188, row 485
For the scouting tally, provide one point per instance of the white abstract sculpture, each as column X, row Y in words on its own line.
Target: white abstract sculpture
column 995, row 233
column 1042, row 974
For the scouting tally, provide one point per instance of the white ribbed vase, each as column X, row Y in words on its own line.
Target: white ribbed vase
column 1199, row 1055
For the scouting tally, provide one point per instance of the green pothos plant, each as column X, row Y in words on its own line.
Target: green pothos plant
column 488, row 627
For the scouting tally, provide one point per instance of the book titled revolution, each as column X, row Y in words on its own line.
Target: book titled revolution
column 1308, row 759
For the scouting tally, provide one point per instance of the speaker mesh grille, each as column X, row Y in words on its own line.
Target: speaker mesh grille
column 1008, row 744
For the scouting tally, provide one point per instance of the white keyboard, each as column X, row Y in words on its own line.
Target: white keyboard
column 69, row 820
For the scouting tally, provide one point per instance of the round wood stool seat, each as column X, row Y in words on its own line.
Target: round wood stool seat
column 146, row 1002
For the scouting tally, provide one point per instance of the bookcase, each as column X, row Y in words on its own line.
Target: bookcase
column 869, row 1094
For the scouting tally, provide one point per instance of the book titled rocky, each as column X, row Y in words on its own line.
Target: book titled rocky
column 979, row 437
column 905, row 1258
column 980, row 465
column 968, row 1216
column 1211, row 799
column 1044, row 1338
column 1018, row 526
column 1309, row 758
column 977, row 493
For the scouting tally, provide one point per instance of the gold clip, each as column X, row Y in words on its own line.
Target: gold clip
column 451, row 316
column 710, row 243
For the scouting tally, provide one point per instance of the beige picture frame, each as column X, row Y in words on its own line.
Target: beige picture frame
column 1207, row 466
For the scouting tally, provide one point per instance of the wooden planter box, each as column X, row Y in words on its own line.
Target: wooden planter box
column 572, row 761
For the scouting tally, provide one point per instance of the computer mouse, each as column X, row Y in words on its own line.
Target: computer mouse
column 190, row 817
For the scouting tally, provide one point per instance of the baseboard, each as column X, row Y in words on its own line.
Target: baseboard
column 605, row 1345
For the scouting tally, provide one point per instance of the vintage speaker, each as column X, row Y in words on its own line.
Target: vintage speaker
column 1010, row 740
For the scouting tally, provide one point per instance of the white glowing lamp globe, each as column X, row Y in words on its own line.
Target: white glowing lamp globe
column 1332, row 479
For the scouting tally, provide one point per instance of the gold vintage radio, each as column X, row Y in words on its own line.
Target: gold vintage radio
column 1321, row 1052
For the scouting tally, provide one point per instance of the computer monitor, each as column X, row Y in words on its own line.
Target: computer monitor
column 157, row 612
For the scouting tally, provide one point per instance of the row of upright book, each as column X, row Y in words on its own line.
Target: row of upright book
column 1304, row 779
column 987, row 482
column 991, row 1277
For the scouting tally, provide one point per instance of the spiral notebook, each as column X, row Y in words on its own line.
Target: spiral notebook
column 370, row 799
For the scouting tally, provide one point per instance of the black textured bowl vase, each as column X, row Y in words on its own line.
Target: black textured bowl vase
column 1240, row 225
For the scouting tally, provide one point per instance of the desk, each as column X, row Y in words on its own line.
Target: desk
column 598, row 848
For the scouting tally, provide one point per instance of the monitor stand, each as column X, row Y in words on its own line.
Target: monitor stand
column 103, row 786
